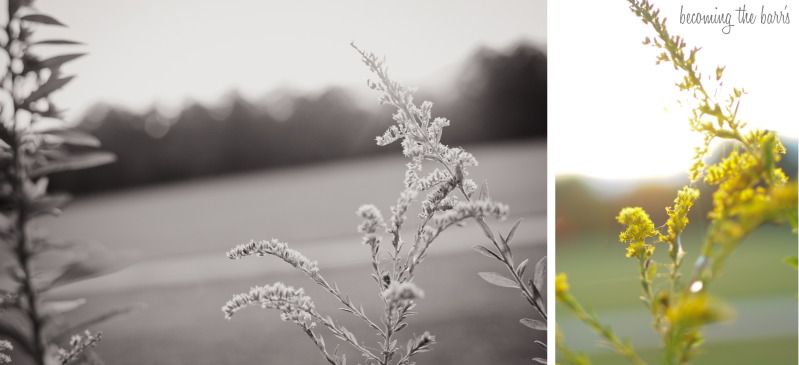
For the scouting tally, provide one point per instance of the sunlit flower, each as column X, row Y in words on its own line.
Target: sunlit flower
column 639, row 228
column 678, row 214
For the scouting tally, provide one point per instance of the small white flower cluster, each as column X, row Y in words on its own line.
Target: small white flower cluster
column 77, row 345
column 292, row 303
column 372, row 219
column 401, row 293
column 433, row 201
column 5, row 346
column 464, row 210
column 276, row 248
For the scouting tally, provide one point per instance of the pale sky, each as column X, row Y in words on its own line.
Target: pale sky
column 613, row 112
column 168, row 51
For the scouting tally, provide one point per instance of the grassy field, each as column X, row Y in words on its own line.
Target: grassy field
column 756, row 283
column 180, row 226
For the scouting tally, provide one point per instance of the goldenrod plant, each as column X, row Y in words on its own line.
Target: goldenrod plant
column 449, row 198
column 34, row 143
column 749, row 190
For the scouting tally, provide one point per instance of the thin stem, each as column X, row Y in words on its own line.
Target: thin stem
column 17, row 184
column 605, row 332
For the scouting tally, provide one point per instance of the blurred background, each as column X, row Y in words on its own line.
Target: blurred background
column 620, row 137
column 244, row 119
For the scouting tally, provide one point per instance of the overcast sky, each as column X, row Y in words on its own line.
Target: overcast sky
column 168, row 51
column 614, row 114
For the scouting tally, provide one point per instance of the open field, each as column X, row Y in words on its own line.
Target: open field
column 756, row 284
column 174, row 238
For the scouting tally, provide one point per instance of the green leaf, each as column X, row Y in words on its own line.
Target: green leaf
column 534, row 324
column 498, row 280
column 75, row 162
column 539, row 276
column 42, row 19
column 485, row 251
column 56, row 42
column 792, row 261
column 52, row 84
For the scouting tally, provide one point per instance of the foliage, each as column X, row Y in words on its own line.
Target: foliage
column 394, row 254
column 36, row 143
column 749, row 191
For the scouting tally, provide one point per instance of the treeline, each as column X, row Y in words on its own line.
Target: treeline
column 498, row 96
column 586, row 204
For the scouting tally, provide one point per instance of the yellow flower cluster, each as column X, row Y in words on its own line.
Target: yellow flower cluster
column 695, row 310
column 561, row 284
column 678, row 214
column 639, row 228
column 739, row 174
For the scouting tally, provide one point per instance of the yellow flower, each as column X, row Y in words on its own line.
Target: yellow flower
column 639, row 228
column 678, row 214
column 696, row 310
column 561, row 284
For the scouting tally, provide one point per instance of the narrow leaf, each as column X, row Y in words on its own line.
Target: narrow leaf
column 486, row 229
column 42, row 19
column 521, row 267
column 534, row 324
column 485, row 251
column 72, row 137
column 498, row 280
column 56, row 42
column 61, row 306
column 540, row 273
column 76, row 162
column 513, row 230
column 57, row 61
column 52, row 84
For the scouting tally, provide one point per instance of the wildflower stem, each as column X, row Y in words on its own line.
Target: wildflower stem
column 344, row 335
column 350, row 306
column 623, row 348
column 17, row 178
column 321, row 345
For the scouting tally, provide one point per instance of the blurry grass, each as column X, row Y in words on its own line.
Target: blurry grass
column 767, row 351
column 602, row 277
column 475, row 323
column 607, row 282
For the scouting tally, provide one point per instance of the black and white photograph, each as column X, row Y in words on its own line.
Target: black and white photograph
column 263, row 182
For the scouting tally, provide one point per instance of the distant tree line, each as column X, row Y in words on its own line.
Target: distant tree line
column 497, row 96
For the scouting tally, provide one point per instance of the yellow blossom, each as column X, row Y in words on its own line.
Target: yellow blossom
column 561, row 284
column 678, row 214
column 639, row 228
column 694, row 310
